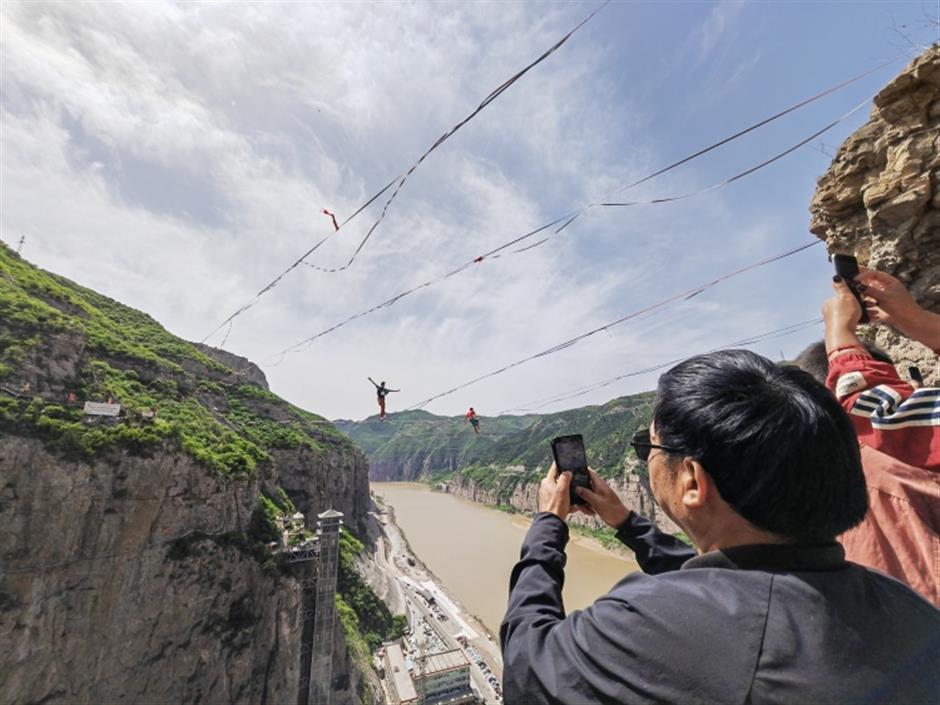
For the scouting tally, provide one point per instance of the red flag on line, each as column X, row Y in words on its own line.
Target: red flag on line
column 335, row 224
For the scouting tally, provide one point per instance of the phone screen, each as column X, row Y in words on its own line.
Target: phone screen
column 847, row 268
column 569, row 455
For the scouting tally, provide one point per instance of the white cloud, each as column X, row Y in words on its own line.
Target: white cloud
column 177, row 156
column 716, row 27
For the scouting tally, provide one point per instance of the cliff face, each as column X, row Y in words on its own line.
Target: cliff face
column 315, row 481
column 129, row 580
column 632, row 488
column 101, row 604
column 416, row 445
column 504, row 464
column 409, row 467
column 132, row 566
column 879, row 200
column 247, row 370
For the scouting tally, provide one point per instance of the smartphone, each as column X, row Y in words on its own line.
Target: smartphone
column 568, row 452
column 847, row 268
column 914, row 373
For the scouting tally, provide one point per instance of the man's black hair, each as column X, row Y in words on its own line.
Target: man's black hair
column 814, row 360
column 780, row 449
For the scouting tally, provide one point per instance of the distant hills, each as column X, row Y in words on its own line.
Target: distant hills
column 417, row 445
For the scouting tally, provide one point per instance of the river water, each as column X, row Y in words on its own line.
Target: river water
column 472, row 549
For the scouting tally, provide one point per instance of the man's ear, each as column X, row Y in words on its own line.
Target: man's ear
column 696, row 485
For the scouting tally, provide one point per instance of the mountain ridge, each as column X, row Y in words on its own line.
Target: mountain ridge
column 142, row 537
column 505, row 463
column 407, row 446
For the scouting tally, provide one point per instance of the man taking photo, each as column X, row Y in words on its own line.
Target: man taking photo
column 760, row 467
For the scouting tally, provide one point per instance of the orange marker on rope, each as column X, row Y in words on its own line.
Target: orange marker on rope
column 335, row 224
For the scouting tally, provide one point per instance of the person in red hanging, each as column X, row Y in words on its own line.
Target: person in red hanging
column 474, row 420
column 381, row 392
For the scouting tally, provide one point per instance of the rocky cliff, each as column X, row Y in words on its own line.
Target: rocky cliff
column 124, row 581
column 247, row 370
column 880, row 200
column 504, row 464
column 133, row 564
column 632, row 487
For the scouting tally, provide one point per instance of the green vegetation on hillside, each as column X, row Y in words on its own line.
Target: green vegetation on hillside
column 40, row 302
column 62, row 344
column 63, row 339
column 366, row 621
column 510, row 451
column 263, row 526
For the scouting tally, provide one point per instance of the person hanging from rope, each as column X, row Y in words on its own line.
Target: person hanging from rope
column 474, row 420
column 381, row 391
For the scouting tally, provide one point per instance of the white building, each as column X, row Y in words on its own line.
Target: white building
column 401, row 689
column 443, row 679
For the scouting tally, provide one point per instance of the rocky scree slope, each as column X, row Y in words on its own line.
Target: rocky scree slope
column 132, row 559
column 880, row 198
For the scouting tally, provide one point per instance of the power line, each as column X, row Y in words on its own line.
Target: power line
column 750, row 170
column 573, row 341
column 760, row 124
column 562, row 222
column 574, row 214
column 486, row 101
column 399, row 181
column 581, row 391
column 571, row 217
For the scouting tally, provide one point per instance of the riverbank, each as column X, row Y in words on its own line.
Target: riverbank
column 473, row 549
column 513, row 488
column 604, row 539
column 594, row 535
column 437, row 619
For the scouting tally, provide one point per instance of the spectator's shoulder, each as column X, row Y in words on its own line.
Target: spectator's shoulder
column 719, row 592
column 852, row 373
column 898, row 598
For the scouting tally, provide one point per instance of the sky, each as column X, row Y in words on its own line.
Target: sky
column 177, row 157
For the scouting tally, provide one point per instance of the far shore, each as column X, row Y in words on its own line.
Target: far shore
column 525, row 518
column 489, row 643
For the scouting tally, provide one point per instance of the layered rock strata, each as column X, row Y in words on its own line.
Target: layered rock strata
column 129, row 580
column 879, row 200
column 632, row 488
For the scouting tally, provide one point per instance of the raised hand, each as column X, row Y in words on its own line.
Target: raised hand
column 554, row 493
column 604, row 501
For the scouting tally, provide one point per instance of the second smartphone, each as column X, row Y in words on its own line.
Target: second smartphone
column 847, row 268
column 568, row 452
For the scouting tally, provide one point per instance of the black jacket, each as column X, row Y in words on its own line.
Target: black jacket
column 755, row 624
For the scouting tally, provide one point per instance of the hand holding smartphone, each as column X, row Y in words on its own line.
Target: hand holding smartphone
column 847, row 268
column 569, row 455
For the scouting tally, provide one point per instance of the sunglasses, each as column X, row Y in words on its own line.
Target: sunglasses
column 642, row 445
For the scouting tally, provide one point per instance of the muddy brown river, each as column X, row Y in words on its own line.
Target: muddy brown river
column 472, row 549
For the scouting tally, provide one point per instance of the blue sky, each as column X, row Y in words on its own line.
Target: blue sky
column 177, row 157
